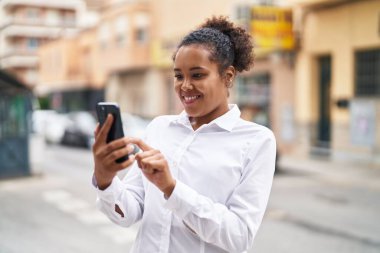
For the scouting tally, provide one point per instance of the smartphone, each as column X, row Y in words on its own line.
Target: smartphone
column 116, row 131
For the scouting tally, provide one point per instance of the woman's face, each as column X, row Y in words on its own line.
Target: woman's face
column 199, row 85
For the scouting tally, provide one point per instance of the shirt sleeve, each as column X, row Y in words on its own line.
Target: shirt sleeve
column 233, row 225
column 127, row 194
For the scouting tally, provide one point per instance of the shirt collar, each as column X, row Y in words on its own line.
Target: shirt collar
column 226, row 121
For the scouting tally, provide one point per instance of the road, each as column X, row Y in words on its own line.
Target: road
column 330, row 212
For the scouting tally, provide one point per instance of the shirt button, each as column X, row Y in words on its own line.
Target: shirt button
column 175, row 164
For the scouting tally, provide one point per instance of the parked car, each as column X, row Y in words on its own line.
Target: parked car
column 134, row 125
column 80, row 129
column 40, row 119
column 55, row 126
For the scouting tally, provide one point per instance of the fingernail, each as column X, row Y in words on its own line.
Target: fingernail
column 135, row 149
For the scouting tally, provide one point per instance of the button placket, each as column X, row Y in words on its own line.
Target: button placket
column 181, row 152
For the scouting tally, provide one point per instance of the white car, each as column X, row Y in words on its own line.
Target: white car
column 39, row 119
column 133, row 125
column 55, row 128
column 49, row 124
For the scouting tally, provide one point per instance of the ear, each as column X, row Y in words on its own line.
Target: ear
column 229, row 76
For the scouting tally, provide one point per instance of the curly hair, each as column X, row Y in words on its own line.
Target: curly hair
column 228, row 44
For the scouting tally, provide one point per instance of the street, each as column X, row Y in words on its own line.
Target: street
column 311, row 210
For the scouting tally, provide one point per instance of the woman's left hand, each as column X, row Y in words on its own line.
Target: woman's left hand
column 155, row 167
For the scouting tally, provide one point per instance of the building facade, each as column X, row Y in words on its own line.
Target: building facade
column 337, row 78
column 129, row 55
column 79, row 68
column 26, row 25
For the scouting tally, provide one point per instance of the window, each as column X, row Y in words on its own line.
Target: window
column 103, row 35
column 53, row 18
column 141, row 35
column 32, row 14
column 242, row 12
column 255, row 89
column 254, row 97
column 141, row 21
column 32, row 44
column 121, row 27
column 69, row 18
column 367, row 73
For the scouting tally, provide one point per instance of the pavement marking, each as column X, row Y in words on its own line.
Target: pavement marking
column 73, row 205
column 55, row 196
column 89, row 215
column 93, row 217
column 275, row 214
column 120, row 235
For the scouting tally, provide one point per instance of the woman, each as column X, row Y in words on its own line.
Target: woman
column 203, row 178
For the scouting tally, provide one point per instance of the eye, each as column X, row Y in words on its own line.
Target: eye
column 198, row 75
column 178, row 76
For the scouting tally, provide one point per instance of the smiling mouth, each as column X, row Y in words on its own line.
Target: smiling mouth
column 190, row 99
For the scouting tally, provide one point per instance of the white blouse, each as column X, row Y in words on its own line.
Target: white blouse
column 224, row 172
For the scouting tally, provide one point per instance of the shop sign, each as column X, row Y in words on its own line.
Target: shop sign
column 162, row 52
column 272, row 28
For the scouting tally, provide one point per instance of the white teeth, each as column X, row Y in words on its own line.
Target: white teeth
column 190, row 98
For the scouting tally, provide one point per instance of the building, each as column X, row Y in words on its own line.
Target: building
column 265, row 94
column 121, row 56
column 70, row 72
column 129, row 56
column 337, row 80
column 147, row 89
column 25, row 25
column 74, row 71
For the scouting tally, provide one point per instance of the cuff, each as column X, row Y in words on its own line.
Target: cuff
column 111, row 193
column 182, row 200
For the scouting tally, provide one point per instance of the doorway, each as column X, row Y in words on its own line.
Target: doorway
column 324, row 89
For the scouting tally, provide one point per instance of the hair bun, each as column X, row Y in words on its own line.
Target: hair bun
column 241, row 40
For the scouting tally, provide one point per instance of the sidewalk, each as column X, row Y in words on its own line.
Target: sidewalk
column 344, row 173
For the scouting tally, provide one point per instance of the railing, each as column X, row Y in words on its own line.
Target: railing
column 51, row 3
column 69, row 23
column 21, row 51
column 19, row 61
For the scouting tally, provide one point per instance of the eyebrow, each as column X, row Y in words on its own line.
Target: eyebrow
column 193, row 68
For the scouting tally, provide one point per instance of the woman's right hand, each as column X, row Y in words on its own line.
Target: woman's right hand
column 105, row 154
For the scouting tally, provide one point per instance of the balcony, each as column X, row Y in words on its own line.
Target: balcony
column 19, row 61
column 37, row 31
column 67, row 4
column 63, row 22
column 18, row 50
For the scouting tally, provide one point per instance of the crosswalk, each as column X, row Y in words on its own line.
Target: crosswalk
column 87, row 214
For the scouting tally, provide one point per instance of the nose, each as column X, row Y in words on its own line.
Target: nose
column 186, row 85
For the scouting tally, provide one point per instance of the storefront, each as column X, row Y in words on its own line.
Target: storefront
column 338, row 82
column 15, row 112
column 266, row 93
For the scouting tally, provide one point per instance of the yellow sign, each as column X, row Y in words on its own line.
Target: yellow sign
column 162, row 52
column 272, row 28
